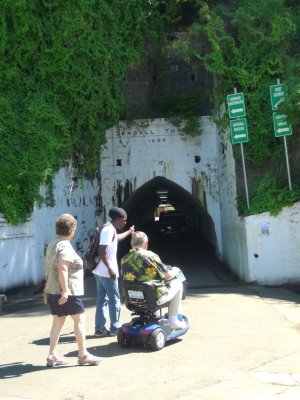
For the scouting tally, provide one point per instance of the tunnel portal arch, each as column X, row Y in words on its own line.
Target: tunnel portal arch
column 142, row 159
column 143, row 202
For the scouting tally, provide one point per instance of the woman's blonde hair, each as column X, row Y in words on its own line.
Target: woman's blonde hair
column 65, row 224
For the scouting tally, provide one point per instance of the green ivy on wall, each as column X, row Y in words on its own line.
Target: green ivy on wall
column 247, row 45
column 62, row 64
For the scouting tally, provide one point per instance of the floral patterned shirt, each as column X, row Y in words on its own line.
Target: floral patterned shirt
column 142, row 265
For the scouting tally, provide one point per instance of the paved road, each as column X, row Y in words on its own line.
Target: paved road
column 243, row 343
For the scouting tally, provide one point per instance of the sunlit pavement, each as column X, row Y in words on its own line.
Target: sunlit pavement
column 243, row 343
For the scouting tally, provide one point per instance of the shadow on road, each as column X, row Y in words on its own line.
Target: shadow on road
column 17, row 369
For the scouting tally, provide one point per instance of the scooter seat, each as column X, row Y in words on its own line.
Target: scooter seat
column 140, row 297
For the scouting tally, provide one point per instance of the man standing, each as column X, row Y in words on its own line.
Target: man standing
column 107, row 273
column 142, row 265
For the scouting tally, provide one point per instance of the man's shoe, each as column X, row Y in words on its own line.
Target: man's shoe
column 113, row 333
column 178, row 324
column 102, row 333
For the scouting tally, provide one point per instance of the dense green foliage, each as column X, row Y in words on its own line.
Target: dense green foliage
column 182, row 110
column 248, row 45
column 62, row 64
column 271, row 196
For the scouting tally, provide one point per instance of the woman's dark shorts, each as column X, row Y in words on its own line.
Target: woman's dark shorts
column 73, row 305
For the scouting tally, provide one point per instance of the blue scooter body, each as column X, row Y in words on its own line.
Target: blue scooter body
column 146, row 326
column 139, row 331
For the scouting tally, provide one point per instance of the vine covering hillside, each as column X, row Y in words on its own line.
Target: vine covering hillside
column 62, row 65
column 248, row 45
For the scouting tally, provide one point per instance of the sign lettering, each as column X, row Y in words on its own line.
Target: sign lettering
column 239, row 130
column 236, row 105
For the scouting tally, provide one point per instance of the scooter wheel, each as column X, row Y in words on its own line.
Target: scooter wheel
column 157, row 339
column 123, row 339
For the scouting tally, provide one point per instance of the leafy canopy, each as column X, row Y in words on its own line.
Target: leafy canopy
column 62, row 64
column 248, row 45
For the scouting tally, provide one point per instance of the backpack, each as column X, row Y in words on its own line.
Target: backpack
column 91, row 257
column 92, row 252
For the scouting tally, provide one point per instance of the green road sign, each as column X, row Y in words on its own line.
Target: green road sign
column 281, row 125
column 278, row 94
column 236, row 105
column 239, row 130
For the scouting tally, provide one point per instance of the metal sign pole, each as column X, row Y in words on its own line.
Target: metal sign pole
column 287, row 162
column 245, row 176
column 286, row 155
column 244, row 167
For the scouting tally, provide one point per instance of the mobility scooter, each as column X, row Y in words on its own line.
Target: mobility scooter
column 149, row 326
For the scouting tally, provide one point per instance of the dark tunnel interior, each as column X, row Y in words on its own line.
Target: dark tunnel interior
column 195, row 240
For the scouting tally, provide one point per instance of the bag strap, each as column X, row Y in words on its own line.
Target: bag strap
column 107, row 224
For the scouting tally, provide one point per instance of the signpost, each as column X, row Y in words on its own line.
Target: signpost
column 278, row 94
column 236, row 105
column 281, row 125
column 238, row 126
column 239, row 130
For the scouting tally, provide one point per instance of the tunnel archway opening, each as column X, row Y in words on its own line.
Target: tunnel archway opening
column 144, row 208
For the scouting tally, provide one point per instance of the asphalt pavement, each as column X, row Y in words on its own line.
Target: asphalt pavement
column 243, row 343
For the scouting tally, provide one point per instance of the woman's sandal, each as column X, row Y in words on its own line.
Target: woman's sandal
column 89, row 359
column 53, row 361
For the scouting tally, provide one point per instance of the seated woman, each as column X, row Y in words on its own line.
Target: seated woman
column 142, row 265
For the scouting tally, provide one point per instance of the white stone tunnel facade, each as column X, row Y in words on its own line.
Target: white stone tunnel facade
column 137, row 163
column 140, row 161
column 199, row 175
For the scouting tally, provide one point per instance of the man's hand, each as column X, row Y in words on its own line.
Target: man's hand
column 129, row 232
column 175, row 270
column 112, row 274
column 171, row 273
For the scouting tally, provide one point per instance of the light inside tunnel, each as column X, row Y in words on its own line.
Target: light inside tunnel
column 162, row 194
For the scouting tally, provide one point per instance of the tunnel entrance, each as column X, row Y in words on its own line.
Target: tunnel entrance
column 187, row 239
